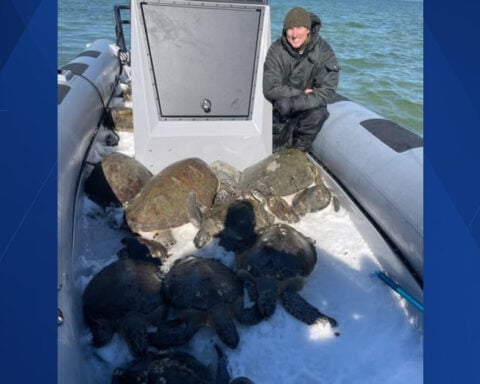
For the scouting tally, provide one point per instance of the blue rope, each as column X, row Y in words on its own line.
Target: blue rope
column 397, row 288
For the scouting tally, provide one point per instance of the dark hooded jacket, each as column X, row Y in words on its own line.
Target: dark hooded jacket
column 288, row 73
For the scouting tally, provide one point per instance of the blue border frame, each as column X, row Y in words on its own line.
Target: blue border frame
column 28, row 192
column 452, row 192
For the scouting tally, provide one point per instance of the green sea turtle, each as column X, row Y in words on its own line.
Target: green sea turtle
column 313, row 199
column 229, row 178
column 277, row 206
column 174, row 367
column 277, row 264
column 235, row 222
column 285, row 173
column 260, row 187
column 200, row 292
column 116, row 179
column 234, row 216
column 162, row 203
column 124, row 297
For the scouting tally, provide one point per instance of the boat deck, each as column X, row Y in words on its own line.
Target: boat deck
column 380, row 337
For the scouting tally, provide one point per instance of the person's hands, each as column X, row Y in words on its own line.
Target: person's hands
column 283, row 106
column 289, row 105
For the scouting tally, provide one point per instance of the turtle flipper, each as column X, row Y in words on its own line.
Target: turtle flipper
column 223, row 376
column 246, row 315
column 173, row 334
column 134, row 330
column 336, row 203
column 282, row 210
column 267, row 295
column 224, row 326
column 102, row 334
column 263, row 291
column 194, row 211
column 301, row 309
column 277, row 206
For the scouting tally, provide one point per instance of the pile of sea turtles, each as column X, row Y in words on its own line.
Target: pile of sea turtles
column 157, row 310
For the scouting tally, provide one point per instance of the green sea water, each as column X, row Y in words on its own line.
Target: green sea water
column 379, row 46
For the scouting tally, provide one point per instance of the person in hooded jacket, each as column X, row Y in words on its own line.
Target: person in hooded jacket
column 300, row 78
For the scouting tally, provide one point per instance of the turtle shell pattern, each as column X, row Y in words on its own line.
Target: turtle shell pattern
column 200, row 283
column 116, row 179
column 280, row 252
column 162, row 203
column 282, row 173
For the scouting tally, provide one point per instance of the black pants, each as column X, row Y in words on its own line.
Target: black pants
column 298, row 130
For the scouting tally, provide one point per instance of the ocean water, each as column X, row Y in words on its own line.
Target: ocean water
column 379, row 46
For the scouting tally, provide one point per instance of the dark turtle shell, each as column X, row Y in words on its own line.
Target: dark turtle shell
column 280, row 252
column 123, row 286
column 124, row 297
column 116, row 179
column 175, row 367
column 200, row 283
column 167, row 367
column 203, row 292
column 276, row 265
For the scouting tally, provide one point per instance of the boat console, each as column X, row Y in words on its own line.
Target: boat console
column 197, row 70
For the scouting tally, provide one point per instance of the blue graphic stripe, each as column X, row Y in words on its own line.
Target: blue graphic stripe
column 452, row 191
column 28, row 243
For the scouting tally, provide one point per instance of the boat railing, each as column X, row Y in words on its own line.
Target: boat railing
column 122, row 18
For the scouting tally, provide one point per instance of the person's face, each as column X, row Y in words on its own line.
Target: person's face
column 297, row 36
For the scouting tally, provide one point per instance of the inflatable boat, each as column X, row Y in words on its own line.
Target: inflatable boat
column 373, row 166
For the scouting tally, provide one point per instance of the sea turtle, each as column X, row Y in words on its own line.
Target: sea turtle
column 312, row 199
column 277, row 206
column 124, row 297
column 203, row 291
column 284, row 173
column 161, row 204
column 234, row 216
column 229, row 178
column 277, row 264
column 174, row 367
column 235, row 222
column 116, row 179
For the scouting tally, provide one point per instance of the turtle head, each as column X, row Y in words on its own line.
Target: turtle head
column 201, row 238
column 134, row 329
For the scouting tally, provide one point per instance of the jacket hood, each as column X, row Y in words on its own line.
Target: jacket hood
column 316, row 24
